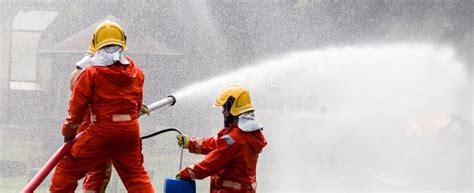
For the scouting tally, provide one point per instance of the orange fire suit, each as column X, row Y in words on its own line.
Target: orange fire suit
column 231, row 159
column 95, row 181
column 114, row 96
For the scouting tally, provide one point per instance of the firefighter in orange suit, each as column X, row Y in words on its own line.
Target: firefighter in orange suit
column 231, row 157
column 111, row 90
column 95, row 181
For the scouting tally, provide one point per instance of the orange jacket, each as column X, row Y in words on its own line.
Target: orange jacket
column 231, row 159
column 112, row 93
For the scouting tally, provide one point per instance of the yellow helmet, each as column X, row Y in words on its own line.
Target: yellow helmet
column 242, row 101
column 91, row 50
column 108, row 33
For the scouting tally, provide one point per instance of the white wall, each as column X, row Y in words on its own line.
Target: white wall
column 5, row 30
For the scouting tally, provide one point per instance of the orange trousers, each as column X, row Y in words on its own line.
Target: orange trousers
column 95, row 181
column 97, row 147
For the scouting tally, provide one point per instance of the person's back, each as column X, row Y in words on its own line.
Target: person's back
column 115, row 97
column 119, row 92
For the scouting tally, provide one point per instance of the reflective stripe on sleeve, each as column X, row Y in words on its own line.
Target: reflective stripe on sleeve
column 228, row 139
column 191, row 173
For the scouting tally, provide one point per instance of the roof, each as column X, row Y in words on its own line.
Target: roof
column 79, row 42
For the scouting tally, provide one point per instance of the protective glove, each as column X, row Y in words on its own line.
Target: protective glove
column 144, row 110
column 69, row 132
column 67, row 139
column 68, row 135
column 183, row 141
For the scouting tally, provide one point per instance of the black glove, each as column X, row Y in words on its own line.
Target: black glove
column 67, row 139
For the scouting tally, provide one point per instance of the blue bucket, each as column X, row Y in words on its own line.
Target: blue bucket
column 173, row 185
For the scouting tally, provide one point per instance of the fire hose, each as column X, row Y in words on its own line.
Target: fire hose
column 164, row 131
column 66, row 147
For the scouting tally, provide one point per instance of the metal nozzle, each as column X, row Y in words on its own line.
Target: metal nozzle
column 172, row 98
column 168, row 101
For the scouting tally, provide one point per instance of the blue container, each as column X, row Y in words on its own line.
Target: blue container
column 173, row 185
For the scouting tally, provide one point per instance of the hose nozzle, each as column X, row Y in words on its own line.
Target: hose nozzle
column 170, row 100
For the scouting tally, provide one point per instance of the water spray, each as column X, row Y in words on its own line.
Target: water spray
column 66, row 147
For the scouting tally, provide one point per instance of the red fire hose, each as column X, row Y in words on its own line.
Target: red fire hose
column 49, row 165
